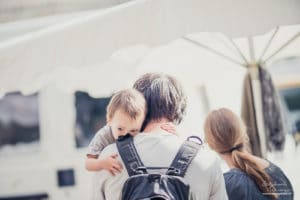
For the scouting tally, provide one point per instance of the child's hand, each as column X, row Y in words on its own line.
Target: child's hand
column 112, row 165
column 169, row 127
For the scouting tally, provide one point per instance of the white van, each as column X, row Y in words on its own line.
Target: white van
column 43, row 139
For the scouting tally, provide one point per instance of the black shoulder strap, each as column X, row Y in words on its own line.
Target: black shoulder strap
column 184, row 157
column 129, row 155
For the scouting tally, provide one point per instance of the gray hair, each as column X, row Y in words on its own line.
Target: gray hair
column 164, row 96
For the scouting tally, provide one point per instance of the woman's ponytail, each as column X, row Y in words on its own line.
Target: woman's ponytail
column 245, row 162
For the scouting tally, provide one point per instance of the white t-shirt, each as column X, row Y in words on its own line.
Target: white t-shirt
column 159, row 149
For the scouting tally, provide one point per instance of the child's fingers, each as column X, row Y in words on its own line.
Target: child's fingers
column 169, row 128
column 115, row 171
column 117, row 163
column 118, row 168
column 112, row 172
column 114, row 155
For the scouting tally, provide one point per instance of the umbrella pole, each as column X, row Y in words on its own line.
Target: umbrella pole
column 257, row 99
column 256, row 91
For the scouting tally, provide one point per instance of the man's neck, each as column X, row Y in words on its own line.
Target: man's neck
column 153, row 126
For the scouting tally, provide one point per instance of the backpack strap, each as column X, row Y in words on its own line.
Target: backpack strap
column 129, row 155
column 184, row 157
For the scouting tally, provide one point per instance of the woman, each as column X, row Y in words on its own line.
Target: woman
column 249, row 177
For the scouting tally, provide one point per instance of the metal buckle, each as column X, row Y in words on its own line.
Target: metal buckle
column 195, row 138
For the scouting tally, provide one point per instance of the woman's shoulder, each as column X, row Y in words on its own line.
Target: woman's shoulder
column 273, row 168
column 281, row 181
column 236, row 177
column 238, row 184
column 276, row 173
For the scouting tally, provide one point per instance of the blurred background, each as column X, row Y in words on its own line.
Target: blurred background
column 15, row 10
column 60, row 62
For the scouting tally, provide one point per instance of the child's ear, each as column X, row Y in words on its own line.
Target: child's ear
column 108, row 120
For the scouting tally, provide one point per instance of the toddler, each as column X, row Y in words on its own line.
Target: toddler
column 125, row 114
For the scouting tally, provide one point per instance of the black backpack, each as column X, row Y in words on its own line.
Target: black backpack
column 144, row 185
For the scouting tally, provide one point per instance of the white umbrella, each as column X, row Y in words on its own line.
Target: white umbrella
column 223, row 61
column 92, row 38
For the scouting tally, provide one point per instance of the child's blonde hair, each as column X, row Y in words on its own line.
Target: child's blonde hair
column 130, row 101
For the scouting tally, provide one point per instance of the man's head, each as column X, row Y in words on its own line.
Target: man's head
column 164, row 96
column 126, row 112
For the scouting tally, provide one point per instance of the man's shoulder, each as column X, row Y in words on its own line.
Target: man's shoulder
column 110, row 149
column 206, row 157
column 205, row 176
column 204, row 167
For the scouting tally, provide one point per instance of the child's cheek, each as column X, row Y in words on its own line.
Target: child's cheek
column 133, row 134
column 115, row 134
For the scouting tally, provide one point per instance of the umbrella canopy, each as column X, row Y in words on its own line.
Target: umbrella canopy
column 222, row 62
column 93, row 38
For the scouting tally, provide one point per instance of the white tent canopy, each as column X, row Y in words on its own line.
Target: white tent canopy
column 196, row 65
column 94, row 37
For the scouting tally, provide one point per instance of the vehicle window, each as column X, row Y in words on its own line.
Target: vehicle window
column 90, row 116
column 19, row 119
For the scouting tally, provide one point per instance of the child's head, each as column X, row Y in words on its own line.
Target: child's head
column 126, row 112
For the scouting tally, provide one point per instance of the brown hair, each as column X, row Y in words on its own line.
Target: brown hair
column 226, row 133
column 130, row 101
column 164, row 95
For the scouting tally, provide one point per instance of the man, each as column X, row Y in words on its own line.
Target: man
column 166, row 103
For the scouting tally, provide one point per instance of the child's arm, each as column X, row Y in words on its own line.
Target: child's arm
column 111, row 164
column 102, row 138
